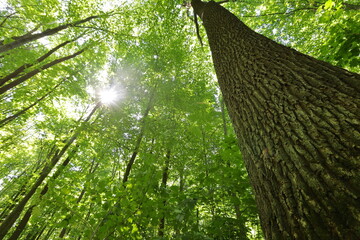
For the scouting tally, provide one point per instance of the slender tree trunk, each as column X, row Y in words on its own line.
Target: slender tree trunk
column 49, row 233
column 128, row 167
column 66, row 229
column 19, row 41
column 36, row 235
column 14, row 199
column 165, row 176
column 19, row 113
column 25, row 219
column 36, row 71
column 22, row 224
column 297, row 121
column 14, row 215
column 138, row 140
column 21, row 69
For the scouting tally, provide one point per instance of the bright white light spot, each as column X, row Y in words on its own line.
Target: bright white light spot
column 3, row 5
column 91, row 91
column 108, row 96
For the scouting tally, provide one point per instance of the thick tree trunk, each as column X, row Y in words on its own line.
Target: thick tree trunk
column 298, row 121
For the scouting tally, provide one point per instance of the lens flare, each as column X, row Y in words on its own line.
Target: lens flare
column 108, row 96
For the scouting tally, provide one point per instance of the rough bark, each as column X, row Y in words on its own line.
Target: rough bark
column 297, row 122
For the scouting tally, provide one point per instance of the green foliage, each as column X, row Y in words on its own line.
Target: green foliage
column 149, row 53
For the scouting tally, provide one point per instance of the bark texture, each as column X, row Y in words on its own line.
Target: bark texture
column 298, row 124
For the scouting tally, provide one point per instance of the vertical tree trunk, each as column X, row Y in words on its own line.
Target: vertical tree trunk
column 15, row 213
column 165, row 176
column 297, row 121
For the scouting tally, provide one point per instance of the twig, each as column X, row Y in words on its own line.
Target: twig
column 6, row 18
column 281, row 13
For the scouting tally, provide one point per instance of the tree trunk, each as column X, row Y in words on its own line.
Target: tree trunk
column 297, row 122
column 19, row 41
column 15, row 213
column 138, row 140
column 19, row 113
column 36, row 71
column 25, row 219
column 165, row 176
column 21, row 69
column 65, row 230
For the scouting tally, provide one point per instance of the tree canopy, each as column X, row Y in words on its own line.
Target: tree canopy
column 112, row 124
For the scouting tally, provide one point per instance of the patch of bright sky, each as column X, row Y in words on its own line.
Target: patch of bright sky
column 3, row 4
column 112, row 4
column 73, row 107
column 260, row 9
column 104, row 90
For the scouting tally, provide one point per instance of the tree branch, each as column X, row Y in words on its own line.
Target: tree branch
column 36, row 71
column 6, row 18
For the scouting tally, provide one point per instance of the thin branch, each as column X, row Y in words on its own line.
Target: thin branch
column 36, row 71
column 9, row 119
column 32, row 37
column 281, row 13
column 6, row 18
column 21, row 69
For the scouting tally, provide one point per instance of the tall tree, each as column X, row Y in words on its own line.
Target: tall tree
column 297, row 122
column 15, row 213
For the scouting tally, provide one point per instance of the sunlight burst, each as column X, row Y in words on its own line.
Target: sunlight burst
column 108, row 96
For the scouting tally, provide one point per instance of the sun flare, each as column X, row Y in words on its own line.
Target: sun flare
column 108, row 96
